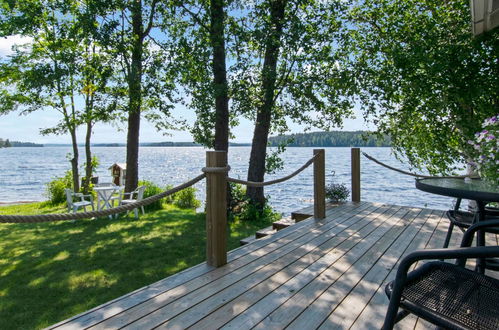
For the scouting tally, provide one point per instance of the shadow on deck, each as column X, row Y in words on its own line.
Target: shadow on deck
column 328, row 273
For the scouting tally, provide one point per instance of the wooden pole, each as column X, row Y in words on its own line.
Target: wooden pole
column 216, row 209
column 319, row 184
column 355, row 174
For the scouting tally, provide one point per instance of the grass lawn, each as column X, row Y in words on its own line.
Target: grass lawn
column 52, row 271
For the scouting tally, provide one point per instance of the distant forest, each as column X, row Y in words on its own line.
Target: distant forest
column 7, row 144
column 331, row 139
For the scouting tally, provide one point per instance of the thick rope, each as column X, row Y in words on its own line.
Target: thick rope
column 216, row 169
column 97, row 214
column 414, row 174
column 268, row 183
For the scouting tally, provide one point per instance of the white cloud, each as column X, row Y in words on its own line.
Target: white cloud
column 6, row 43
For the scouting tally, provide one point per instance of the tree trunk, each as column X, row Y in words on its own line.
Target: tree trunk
column 217, row 40
column 256, row 170
column 135, row 99
column 74, row 161
column 88, row 157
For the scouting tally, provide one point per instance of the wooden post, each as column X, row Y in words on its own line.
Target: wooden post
column 216, row 209
column 319, row 184
column 355, row 174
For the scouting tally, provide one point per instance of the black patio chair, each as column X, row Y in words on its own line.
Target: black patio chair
column 464, row 219
column 447, row 295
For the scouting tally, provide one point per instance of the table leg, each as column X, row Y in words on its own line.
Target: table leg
column 98, row 201
column 480, row 238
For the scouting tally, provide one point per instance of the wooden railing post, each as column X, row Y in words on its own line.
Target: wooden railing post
column 355, row 174
column 216, row 209
column 319, row 184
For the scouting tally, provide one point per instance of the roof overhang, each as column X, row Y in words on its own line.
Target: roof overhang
column 485, row 15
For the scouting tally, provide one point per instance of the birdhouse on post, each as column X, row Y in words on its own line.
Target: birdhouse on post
column 118, row 172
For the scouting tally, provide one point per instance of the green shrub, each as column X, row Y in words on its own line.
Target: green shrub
column 186, row 199
column 55, row 190
column 151, row 190
column 241, row 208
column 170, row 198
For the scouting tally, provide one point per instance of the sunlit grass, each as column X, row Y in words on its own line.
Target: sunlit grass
column 52, row 271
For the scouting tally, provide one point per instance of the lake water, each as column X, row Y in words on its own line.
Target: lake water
column 24, row 172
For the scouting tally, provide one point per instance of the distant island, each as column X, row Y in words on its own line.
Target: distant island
column 331, row 139
column 8, row 144
column 314, row 139
column 147, row 144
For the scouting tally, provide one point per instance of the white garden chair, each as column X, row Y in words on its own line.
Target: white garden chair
column 133, row 197
column 75, row 205
column 118, row 196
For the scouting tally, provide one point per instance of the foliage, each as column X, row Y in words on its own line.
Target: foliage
column 289, row 72
column 185, row 198
column 151, row 190
column 62, row 67
column 5, row 144
column 337, row 192
column 486, row 147
column 242, row 209
column 332, row 139
column 8, row 143
column 94, row 164
column 423, row 78
column 74, row 266
column 55, row 190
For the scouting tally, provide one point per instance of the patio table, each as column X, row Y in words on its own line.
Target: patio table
column 104, row 195
column 482, row 192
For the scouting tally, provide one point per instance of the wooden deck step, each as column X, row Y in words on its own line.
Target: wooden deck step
column 247, row 240
column 303, row 214
column 283, row 223
column 265, row 232
column 308, row 211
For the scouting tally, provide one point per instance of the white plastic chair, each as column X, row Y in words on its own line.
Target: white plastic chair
column 139, row 195
column 118, row 196
column 74, row 206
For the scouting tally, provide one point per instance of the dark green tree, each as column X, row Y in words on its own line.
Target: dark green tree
column 425, row 80
column 141, row 48
column 60, row 70
column 42, row 75
column 290, row 71
column 201, row 42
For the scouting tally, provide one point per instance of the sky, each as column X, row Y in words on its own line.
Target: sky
column 26, row 128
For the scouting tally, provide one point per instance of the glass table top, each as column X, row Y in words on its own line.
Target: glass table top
column 457, row 187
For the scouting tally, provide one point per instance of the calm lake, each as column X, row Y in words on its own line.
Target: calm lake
column 24, row 172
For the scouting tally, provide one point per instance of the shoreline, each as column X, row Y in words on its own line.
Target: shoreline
column 17, row 203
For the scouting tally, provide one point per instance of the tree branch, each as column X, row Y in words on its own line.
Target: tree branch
column 195, row 17
column 151, row 19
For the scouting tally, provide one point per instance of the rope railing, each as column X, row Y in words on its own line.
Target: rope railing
column 216, row 176
column 268, row 183
column 415, row 174
column 97, row 214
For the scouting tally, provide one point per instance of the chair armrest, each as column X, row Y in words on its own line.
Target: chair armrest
column 82, row 197
column 458, row 253
column 130, row 194
column 468, row 235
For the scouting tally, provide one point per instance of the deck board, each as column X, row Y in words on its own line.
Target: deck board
column 328, row 273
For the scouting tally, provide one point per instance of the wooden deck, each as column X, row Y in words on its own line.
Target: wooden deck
column 327, row 274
